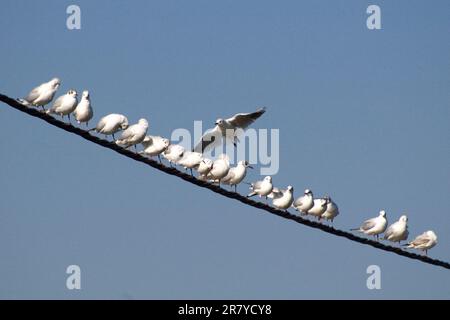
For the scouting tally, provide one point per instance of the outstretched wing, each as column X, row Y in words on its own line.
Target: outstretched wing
column 243, row 120
column 210, row 138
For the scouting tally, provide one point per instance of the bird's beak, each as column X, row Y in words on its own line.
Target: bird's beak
column 250, row 167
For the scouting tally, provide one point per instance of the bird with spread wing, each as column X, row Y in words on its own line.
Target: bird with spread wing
column 228, row 129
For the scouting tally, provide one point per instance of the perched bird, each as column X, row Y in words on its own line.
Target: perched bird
column 65, row 104
column 282, row 198
column 42, row 94
column 262, row 188
column 319, row 208
column 305, row 202
column 236, row 174
column 154, row 146
column 83, row 112
column 331, row 211
column 374, row 226
column 190, row 160
column 110, row 124
column 424, row 242
column 220, row 168
column 204, row 167
column 134, row 134
column 228, row 129
column 397, row 231
column 173, row 153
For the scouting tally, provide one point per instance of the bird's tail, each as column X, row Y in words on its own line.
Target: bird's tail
column 23, row 101
column 251, row 194
column 355, row 229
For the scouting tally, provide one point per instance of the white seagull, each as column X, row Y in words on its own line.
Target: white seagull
column 228, row 129
column 220, row 168
column 42, row 94
column 282, row 198
column 237, row 174
column 204, row 167
column 319, row 208
column 374, row 226
column 305, row 202
column 397, row 231
column 424, row 242
column 65, row 104
column 173, row 153
column 262, row 188
column 331, row 211
column 83, row 112
column 134, row 134
column 154, row 146
column 190, row 160
column 110, row 124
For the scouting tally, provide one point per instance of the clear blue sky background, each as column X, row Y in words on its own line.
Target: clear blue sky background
column 363, row 116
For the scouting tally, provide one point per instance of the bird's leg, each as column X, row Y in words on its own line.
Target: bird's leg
column 159, row 158
column 69, row 116
column 235, row 188
column 114, row 138
column 192, row 174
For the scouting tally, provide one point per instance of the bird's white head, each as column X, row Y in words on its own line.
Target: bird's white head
column 55, row 83
column 166, row 142
column 85, row 94
column 383, row 213
column 209, row 163
column 219, row 122
column 268, row 179
column 147, row 139
column 142, row 122
column 72, row 93
column 403, row 218
column 432, row 235
column 290, row 188
column 245, row 164
column 308, row 192
column 124, row 123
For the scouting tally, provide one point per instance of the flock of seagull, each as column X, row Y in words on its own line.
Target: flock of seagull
column 219, row 170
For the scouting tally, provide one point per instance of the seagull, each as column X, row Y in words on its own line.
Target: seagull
column 190, row 160
column 397, row 231
column 282, row 199
column 331, row 211
column 204, row 167
column 236, row 174
column 83, row 111
column 154, row 146
column 374, row 226
column 134, row 134
column 424, row 242
column 319, row 208
column 65, row 104
column 227, row 129
column 220, row 168
column 173, row 153
column 42, row 94
column 110, row 124
column 305, row 202
column 262, row 188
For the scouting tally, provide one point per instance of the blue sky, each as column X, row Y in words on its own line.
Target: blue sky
column 363, row 116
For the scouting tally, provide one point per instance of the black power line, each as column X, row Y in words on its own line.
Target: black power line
column 215, row 188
